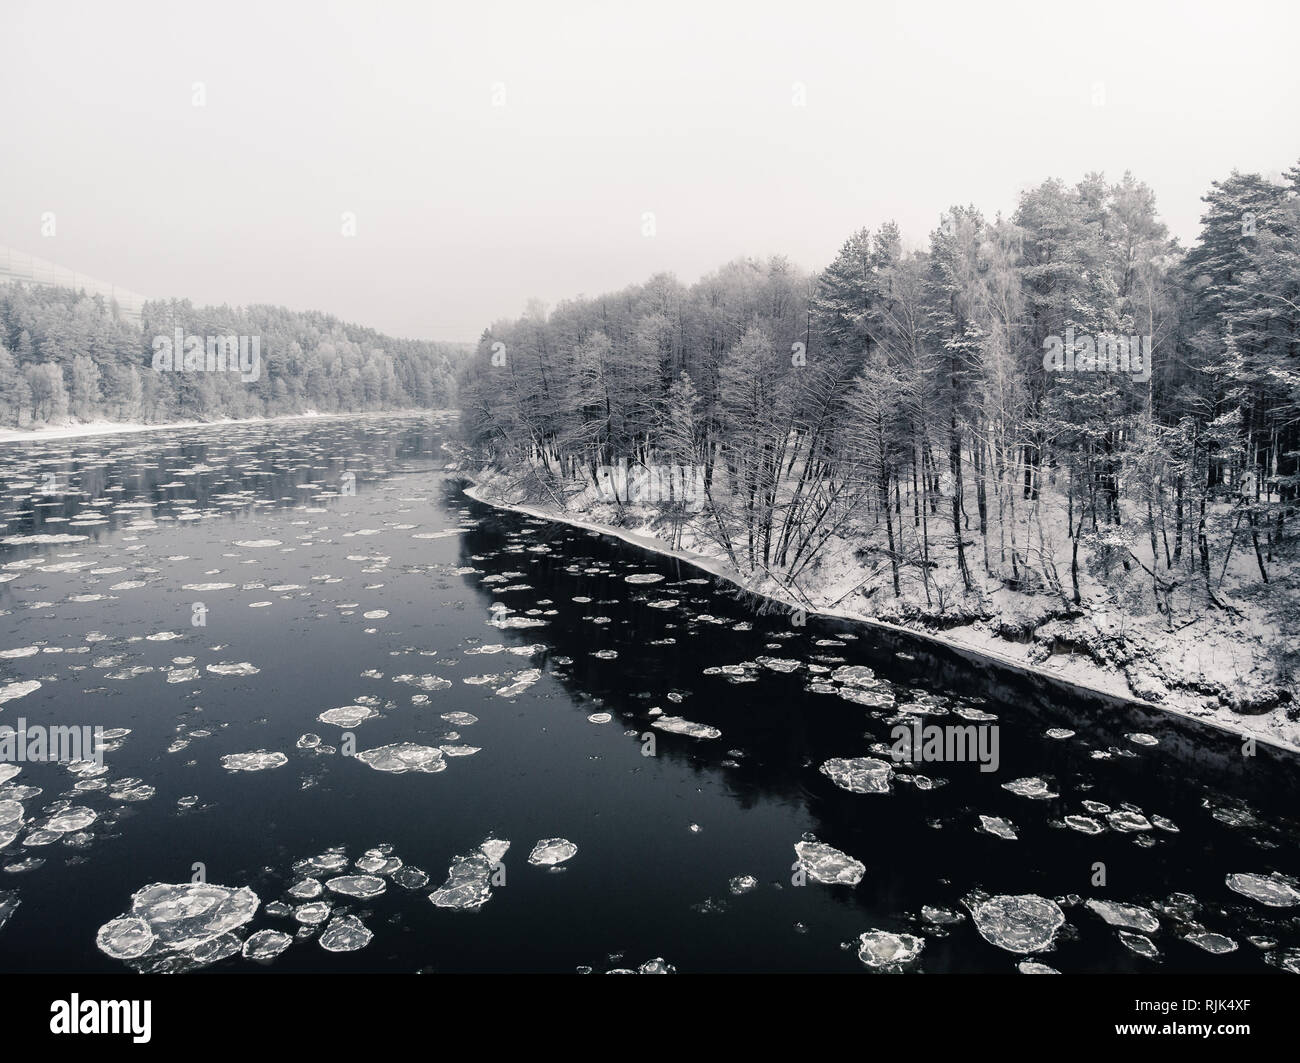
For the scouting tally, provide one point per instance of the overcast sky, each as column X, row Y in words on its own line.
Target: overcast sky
column 465, row 208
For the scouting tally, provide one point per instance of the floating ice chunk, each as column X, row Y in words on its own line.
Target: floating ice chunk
column 1138, row 738
column 8, row 771
column 347, row 933
column 72, row 819
column 644, row 577
column 375, row 614
column 599, row 717
column 424, row 682
column 11, row 691
column 1018, row 923
column 182, row 917
column 258, row 544
column 460, row 719
column 260, row 760
column 1128, row 821
column 410, row 878
column 357, row 885
column 777, row 664
column 857, row 675
column 678, row 725
column 242, row 668
column 1033, row 788
column 551, row 851
column 742, row 884
column 127, row 938
column 1143, row 946
column 878, row 948
column 1084, row 824
column 266, row 945
column 401, row 757
column 348, row 716
column 940, row 916
column 1215, row 944
column 826, row 864
column 1271, row 890
column 312, row 914
column 182, row 675
column 495, row 849
column 1131, row 916
column 656, row 966
column 522, row 681
column 467, row 884
column 998, row 826
column 11, row 812
column 859, row 775
column 1034, row 967
column 306, row 890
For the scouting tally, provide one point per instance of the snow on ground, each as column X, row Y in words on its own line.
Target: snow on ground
column 1212, row 663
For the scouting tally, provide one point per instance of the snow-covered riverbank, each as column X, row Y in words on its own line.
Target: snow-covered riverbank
column 1191, row 673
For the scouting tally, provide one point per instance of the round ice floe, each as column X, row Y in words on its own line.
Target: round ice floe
column 1272, row 890
column 306, row 890
column 599, row 717
column 258, row 761
column 1128, row 821
column 345, row 934
column 550, row 851
column 826, row 864
column 72, row 819
column 1034, row 967
column 313, row 913
column 125, row 938
column 11, row 812
column 644, row 577
column 460, row 719
column 401, row 757
column 879, row 948
column 357, row 885
column 348, row 716
column 266, row 945
column 1023, row 923
column 181, row 917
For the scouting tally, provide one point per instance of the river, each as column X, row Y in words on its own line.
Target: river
column 205, row 593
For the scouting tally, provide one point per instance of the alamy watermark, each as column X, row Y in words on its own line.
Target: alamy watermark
column 919, row 743
column 1104, row 354
column 652, row 483
column 179, row 353
column 37, row 743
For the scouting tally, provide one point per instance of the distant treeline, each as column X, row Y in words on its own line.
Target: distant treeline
column 64, row 355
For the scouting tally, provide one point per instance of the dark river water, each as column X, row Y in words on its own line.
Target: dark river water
column 202, row 594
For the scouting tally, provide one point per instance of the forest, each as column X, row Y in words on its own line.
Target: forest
column 66, row 356
column 906, row 430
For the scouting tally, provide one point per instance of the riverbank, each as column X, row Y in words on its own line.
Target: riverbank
column 1192, row 675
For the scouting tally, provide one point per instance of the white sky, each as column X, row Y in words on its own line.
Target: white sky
column 465, row 210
